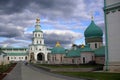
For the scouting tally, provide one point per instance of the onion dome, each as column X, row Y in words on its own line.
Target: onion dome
column 58, row 49
column 93, row 30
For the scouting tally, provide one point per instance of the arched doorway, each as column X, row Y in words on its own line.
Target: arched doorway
column 83, row 60
column 40, row 57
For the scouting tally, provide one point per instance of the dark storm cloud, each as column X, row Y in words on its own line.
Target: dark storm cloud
column 8, row 31
column 65, row 37
column 51, row 39
column 21, row 14
column 43, row 6
column 12, row 6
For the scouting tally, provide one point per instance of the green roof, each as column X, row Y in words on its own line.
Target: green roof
column 37, row 31
column 58, row 50
column 17, row 54
column 93, row 30
column 3, row 53
column 10, row 48
column 87, row 49
column 100, row 51
column 73, row 53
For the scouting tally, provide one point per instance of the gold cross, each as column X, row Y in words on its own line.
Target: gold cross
column 37, row 20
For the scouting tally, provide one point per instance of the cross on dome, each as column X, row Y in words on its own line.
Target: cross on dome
column 37, row 20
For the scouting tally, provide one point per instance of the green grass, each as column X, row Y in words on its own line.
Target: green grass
column 93, row 75
column 3, row 68
column 68, row 66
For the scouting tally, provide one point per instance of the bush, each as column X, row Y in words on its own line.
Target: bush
column 92, row 63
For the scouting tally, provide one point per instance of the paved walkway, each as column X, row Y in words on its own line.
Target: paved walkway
column 22, row 72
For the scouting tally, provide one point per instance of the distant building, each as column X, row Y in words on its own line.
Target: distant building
column 57, row 54
column 92, row 51
column 16, row 54
column 112, row 26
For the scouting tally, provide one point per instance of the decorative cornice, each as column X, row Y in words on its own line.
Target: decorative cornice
column 112, row 8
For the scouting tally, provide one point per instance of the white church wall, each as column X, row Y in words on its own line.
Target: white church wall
column 109, row 2
column 88, row 56
column 113, row 20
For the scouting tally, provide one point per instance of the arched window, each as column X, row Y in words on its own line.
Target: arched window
column 25, row 57
column 35, row 35
column 95, row 45
column 40, row 42
column 39, row 35
column 83, row 60
column 8, row 58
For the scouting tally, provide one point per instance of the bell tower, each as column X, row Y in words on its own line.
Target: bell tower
column 38, row 34
column 38, row 47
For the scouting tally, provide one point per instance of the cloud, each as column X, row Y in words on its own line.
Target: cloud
column 9, row 30
column 65, row 37
column 12, row 42
column 59, row 18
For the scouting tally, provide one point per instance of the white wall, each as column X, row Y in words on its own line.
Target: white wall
column 89, row 56
column 113, row 26
column 109, row 2
column 17, row 58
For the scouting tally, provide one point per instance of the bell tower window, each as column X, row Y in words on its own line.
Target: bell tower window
column 39, row 35
column 35, row 35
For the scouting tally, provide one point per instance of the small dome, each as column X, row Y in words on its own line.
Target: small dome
column 86, row 49
column 93, row 30
column 58, row 49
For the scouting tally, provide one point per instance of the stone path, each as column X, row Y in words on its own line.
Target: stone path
column 15, row 74
column 23, row 72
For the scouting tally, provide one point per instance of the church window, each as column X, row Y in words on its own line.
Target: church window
column 35, row 35
column 39, row 35
column 73, row 61
column 14, row 57
column 95, row 45
column 11, row 57
column 25, row 57
column 61, row 58
column 37, row 42
column 40, row 42
column 36, row 48
column 55, row 58
column 39, row 49
column 8, row 58
column 83, row 60
column 52, row 58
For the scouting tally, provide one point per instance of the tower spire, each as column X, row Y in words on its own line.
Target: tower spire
column 37, row 21
column 92, row 16
column 37, row 26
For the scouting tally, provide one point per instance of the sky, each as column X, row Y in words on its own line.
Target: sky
column 61, row 20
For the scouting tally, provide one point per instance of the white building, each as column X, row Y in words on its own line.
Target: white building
column 112, row 25
column 16, row 54
column 37, row 50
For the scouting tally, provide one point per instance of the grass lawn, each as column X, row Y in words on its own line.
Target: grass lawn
column 68, row 66
column 93, row 75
